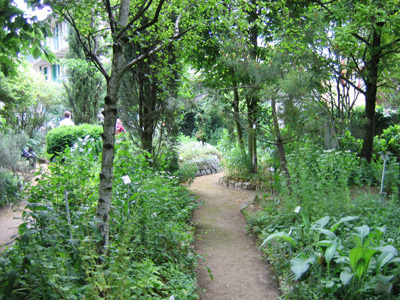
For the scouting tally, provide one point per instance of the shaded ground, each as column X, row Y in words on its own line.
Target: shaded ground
column 10, row 219
column 238, row 271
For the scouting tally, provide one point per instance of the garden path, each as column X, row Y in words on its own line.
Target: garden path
column 10, row 219
column 239, row 272
column 11, row 216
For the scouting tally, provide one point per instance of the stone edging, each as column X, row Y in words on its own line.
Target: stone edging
column 208, row 166
column 237, row 185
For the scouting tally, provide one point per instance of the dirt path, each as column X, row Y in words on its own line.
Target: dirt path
column 10, row 219
column 11, row 216
column 238, row 271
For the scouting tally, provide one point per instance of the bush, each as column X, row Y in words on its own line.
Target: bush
column 58, row 139
column 389, row 140
column 9, row 188
column 349, row 142
column 11, row 145
column 238, row 163
column 187, row 172
column 190, row 149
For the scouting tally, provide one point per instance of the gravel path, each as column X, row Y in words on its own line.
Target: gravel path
column 238, row 270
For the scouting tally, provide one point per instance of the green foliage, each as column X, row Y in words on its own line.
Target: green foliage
column 10, row 190
column 29, row 100
column 190, row 149
column 236, row 161
column 320, row 179
column 11, row 145
column 238, row 164
column 150, row 253
column 337, row 257
column 353, row 263
column 20, row 35
column 389, row 141
column 187, row 171
column 85, row 84
column 193, row 155
column 349, row 142
column 60, row 138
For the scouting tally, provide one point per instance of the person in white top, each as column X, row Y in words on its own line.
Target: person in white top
column 67, row 119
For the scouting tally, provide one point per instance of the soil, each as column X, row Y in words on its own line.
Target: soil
column 11, row 216
column 10, row 219
column 231, row 256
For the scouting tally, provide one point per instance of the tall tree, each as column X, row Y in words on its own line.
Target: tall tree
column 121, row 23
column 146, row 94
column 364, row 33
column 232, row 54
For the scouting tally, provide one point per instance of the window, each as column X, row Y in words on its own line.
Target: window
column 45, row 73
column 56, row 72
column 56, row 37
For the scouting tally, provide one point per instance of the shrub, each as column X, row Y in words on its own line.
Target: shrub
column 9, row 188
column 190, row 149
column 349, row 142
column 11, row 145
column 389, row 140
column 58, row 139
column 187, row 172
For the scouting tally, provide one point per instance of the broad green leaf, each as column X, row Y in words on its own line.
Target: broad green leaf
column 281, row 235
column 329, row 234
column 305, row 218
column 330, row 251
column 343, row 220
column 359, row 260
column 330, row 287
column 395, row 260
column 381, row 229
column 346, row 276
column 384, row 283
column 362, row 232
column 382, row 260
column 388, row 248
column 300, row 264
column 321, row 222
column 36, row 52
column 324, row 243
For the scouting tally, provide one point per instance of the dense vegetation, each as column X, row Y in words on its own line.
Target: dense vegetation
column 298, row 96
column 150, row 255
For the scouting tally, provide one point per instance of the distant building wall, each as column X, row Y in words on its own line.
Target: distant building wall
column 58, row 43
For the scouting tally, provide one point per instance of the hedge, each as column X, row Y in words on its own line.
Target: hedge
column 58, row 139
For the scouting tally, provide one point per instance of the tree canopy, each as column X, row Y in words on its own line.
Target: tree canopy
column 20, row 35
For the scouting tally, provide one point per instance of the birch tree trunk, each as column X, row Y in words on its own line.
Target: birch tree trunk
column 110, row 115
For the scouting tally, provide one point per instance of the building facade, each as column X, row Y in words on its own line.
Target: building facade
column 58, row 44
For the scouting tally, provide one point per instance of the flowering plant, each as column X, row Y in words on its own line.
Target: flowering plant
column 200, row 134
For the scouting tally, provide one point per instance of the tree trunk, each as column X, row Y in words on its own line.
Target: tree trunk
column 147, row 113
column 370, row 97
column 252, row 142
column 279, row 141
column 252, row 100
column 110, row 116
column 236, row 112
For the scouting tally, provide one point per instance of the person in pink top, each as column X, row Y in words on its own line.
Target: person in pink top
column 119, row 127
